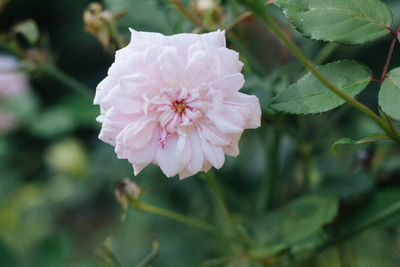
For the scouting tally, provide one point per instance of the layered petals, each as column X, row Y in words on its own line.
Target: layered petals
column 174, row 101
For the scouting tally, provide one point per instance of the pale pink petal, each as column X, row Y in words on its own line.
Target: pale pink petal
column 230, row 61
column 199, row 69
column 228, row 121
column 248, row 106
column 172, row 67
column 103, row 88
column 122, row 102
column 137, row 135
column 233, row 148
column 216, row 39
column 197, row 157
column 229, row 83
column 167, row 157
column 214, row 154
column 142, row 39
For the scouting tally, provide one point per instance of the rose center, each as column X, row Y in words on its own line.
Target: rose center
column 179, row 108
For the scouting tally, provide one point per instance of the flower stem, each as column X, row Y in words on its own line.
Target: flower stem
column 268, row 187
column 179, row 6
column 174, row 216
column 244, row 16
column 62, row 77
column 150, row 257
column 390, row 53
column 313, row 69
column 210, row 179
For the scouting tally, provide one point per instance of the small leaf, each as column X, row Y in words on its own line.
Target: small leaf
column 308, row 95
column 344, row 21
column 349, row 141
column 389, row 95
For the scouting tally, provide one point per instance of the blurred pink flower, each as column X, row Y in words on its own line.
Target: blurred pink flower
column 174, row 101
column 7, row 121
column 12, row 84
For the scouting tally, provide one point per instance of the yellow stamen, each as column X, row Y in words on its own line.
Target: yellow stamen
column 179, row 108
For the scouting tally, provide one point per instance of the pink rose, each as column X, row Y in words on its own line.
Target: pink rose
column 174, row 101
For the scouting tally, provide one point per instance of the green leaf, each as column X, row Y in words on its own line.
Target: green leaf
column 308, row 95
column 293, row 223
column 263, row 252
column 349, row 141
column 52, row 122
column 383, row 208
column 144, row 15
column 389, row 95
column 344, row 21
column 347, row 186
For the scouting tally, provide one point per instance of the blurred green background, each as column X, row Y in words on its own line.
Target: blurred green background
column 57, row 203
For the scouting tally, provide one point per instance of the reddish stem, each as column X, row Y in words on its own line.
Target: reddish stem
column 390, row 53
column 391, row 31
column 376, row 80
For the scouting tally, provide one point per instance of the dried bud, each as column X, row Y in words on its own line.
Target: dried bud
column 124, row 191
column 209, row 9
column 101, row 23
column 204, row 5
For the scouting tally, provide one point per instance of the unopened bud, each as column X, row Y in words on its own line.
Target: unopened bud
column 101, row 23
column 126, row 190
column 209, row 9
column 204, row 5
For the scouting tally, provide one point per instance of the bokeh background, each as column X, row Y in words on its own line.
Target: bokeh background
column 57, row 203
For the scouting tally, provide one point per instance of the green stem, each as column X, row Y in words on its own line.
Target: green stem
column 151, row 256
column 109, row 257
column 174, row 216
column 271, row 175
column 179, row 6
column 313, row 69
column 62, row 77
column 210, row 179
column 389, row 56
column 325, row 52
column 306, row 156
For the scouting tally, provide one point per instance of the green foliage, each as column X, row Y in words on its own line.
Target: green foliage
column 389, row 95
column 294, row 222
column 141, row 15
column 309, row 96
column 374, row 211
column 347, row 186
column 349, row 141
column 57, row 180
column 344, row 21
